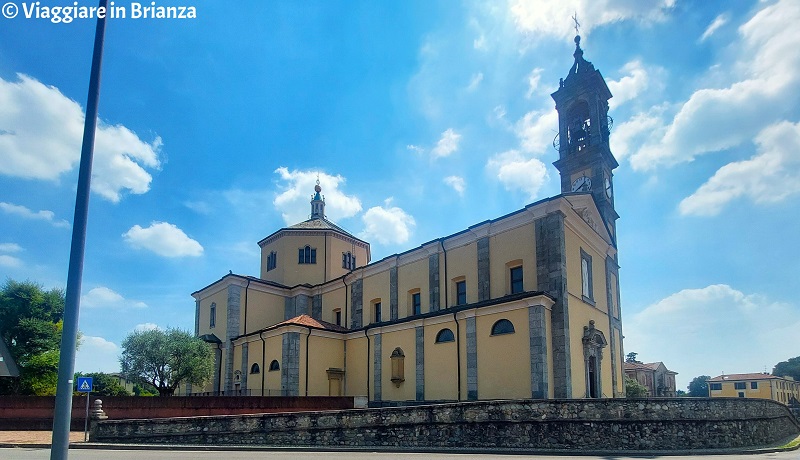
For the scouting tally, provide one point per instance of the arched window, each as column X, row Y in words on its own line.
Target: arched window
column 445, row 335
column 307, row 255
column 254, row 369
column 274, row 366
column 502, row 326
column 348, row 260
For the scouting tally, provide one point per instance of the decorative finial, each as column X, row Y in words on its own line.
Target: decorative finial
column 577, row 28
column 317, row 188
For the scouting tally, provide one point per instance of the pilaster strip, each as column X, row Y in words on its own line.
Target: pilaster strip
column 484, row 288
column 356, row 304
column 537, row 324
column 433, row 281
column 377, row 368
column 472, row 360
column 420, row 361
column 393, row 309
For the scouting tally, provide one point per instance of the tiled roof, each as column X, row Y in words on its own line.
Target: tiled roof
column 316, row 224
column 645, row 366
column 751, row 376
column 307, row 321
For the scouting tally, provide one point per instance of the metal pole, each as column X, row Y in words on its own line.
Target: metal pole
column 69, row 335
column 86, row 422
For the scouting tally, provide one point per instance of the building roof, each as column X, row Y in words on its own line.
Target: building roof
column 750, row 376
column 8, row 368
column 307, row 321
column 646, row 366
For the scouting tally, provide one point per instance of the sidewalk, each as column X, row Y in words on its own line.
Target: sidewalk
column 35, row 437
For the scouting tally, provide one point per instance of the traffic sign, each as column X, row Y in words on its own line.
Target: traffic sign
column 85, row 384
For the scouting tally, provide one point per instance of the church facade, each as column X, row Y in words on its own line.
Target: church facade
column 522, row 306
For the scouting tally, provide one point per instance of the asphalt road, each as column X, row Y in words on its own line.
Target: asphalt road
column 97, row 454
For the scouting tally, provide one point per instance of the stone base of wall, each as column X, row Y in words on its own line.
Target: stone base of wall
column 611, row 424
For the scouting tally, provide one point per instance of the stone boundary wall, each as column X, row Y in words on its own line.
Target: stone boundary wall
column 36, row 412
column 609, row 424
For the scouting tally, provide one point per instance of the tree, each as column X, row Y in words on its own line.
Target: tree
column 30, row 324
column 166, row 358
column 104, row 384
column 698, row 387
column 631, row 358
column 634, row 389
column 790, row 368
column 680, row 393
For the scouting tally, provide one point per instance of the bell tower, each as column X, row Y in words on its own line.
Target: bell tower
column 585, row 161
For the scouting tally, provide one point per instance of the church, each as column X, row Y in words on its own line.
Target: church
column 522, row 306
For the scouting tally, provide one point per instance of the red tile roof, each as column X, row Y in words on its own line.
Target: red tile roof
column 307, row 321
column 751, row 376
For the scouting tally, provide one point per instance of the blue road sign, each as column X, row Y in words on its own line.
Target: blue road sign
column 85, row 384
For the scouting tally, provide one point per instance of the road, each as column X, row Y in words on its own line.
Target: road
column 98, row 454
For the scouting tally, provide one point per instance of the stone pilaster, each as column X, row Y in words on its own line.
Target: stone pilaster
column 614, row 325
column 420, row 362
column 472, row 360
column 316, row 307
column 537, row 324
column 233, row 315
column 393, row 297
column 356, row 304
column 196, row 318
column 551, row 277
column 376, row 366
column 433, row 281
column 484, row 288
column 217, row 364
column 290, row 364
column 245, row 367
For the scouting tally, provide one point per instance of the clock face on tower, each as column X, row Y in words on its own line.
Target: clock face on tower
column 581, row 184
column 609, row 192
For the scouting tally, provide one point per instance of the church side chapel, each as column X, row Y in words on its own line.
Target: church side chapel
column 522, row 306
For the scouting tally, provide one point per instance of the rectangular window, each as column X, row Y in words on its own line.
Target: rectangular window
column 377, row 312
column 416, row 303
column 586, row 276
column 272, row 261
column 307, row 255
column 461, row 293
column 516, row 280
column 715, row 386
column 739, row 385
column 212, row 322
column 338, row 315
column 754, row 385
column 741, row 394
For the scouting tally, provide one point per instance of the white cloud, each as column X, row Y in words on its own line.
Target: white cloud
column 40, row 138
column 629, row 86
column 766, row 70
column 447, row 145
column 164, row 239
column 145, row 327
column 97, row 354
column 713, row 330
column 458, row 184
column 294, row 199
column 475, row 81
column 533, row 81
column 517, row 172
column 103, row 297
column 415, row 148
column 718, row 22
column 639, row 129
column 22, row 211
column 387, row 224
column 9, row 261
column 535, row 19
column 10, row 247
column 536, row 131
column 776, row 163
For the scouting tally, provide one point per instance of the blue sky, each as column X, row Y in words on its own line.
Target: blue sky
column 421, row 118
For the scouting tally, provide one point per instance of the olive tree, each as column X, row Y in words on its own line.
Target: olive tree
column 166, row 359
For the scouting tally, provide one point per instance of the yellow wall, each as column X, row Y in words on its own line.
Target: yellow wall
column 333, row 300
column 356, row 367
column 376, row 287
column 411, row 276
column 221, row 299
column 272, row 379
column 780, row 390
column 263, row 309
column 288, row 272
column 440, row 360
column 462, row 262
column 518, row 243
column 326, row 353
column 502, row 374
column 406, row 340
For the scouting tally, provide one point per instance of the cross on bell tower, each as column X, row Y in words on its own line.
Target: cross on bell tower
column 585, row 161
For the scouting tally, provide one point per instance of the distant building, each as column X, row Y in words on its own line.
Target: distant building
column 659, row 380
column 522, row 306
column 758, row 385
column 8, row 368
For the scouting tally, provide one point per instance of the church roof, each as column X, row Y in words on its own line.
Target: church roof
column 319, row 223
column 751, row 376
column 307, row 321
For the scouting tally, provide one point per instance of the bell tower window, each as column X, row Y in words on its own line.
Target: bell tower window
column 579, row 127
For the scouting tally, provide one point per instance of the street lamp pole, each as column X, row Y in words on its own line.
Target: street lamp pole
column 69, row 334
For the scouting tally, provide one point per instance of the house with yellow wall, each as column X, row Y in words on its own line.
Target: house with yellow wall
column 522, row 306
column 756, row 385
